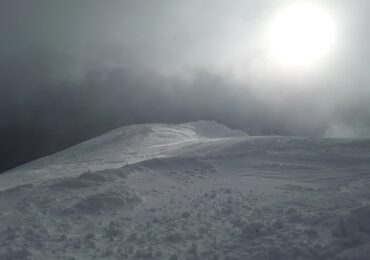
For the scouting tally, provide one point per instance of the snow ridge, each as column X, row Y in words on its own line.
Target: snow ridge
column 117, row 148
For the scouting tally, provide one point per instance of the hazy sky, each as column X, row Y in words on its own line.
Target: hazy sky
column 72, row 69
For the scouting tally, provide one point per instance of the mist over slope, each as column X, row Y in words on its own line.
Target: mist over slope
column 191, row 191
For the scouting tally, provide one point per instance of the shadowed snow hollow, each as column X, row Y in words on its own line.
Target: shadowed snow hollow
column 191, row 191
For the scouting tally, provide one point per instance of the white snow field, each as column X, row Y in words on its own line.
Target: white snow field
column 190, row 191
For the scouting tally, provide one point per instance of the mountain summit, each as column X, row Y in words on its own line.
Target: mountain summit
column 119, row 147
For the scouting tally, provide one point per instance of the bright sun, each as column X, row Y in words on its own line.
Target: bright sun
column 301, row 35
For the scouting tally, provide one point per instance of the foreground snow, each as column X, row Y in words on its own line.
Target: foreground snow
column 190, row 191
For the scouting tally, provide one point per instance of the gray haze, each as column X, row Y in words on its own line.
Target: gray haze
column 72, row 69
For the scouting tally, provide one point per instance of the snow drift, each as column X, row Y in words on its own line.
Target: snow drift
column 191, row 191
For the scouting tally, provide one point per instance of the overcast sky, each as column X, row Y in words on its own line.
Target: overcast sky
column 73, row 69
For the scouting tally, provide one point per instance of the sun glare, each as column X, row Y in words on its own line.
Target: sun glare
column 301, row 35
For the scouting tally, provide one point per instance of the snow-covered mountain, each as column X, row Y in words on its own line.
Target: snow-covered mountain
column 191, row 191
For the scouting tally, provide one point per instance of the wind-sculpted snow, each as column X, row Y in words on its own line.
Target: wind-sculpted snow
column 189, row 193
column 117, row 148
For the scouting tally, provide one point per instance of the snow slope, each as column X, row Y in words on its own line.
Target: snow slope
column 190, row 191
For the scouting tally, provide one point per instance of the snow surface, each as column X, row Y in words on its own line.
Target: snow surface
column 191, row 191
